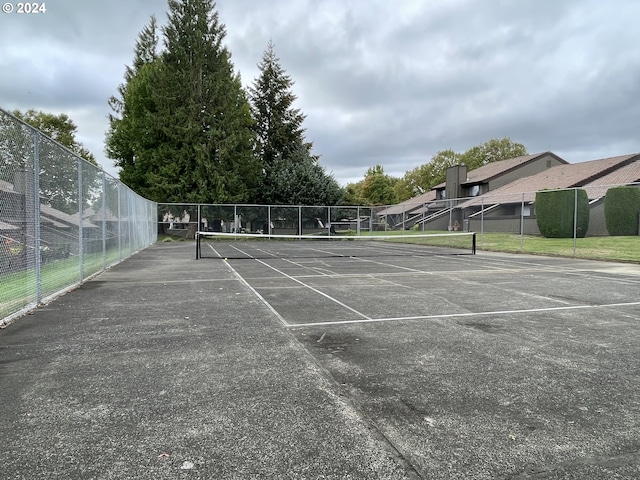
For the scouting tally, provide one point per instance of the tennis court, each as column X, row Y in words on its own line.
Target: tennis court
column 391, row 361
column 483, row 366
column 314, row 282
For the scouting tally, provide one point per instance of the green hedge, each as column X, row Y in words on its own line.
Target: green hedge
column 555, row 213
column 621, row 210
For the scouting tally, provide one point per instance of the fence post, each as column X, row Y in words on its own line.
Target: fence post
column 119, row 223
column 404, row 217
column 329, row 220
column 575, row 220
column 481, row 222
column 80, row 231
column 199, row 219
column 35, row 195
column 522, row 224
column 103, row 207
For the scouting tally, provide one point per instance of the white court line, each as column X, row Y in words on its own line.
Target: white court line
column 214, row 251
column 588, row 274
column 365, row 317
column 414, row 270
column 255, row 292
column 467, row 314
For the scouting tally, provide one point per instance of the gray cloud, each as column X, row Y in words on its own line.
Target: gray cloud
column 381, row 82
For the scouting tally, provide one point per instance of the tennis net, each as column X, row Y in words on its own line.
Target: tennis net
column 261, row 246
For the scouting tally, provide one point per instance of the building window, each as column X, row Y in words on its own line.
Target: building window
column 474, row 191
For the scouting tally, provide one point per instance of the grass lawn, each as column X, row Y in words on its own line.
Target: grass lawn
column 18, row 289
column 622, row 249
column 619, row 249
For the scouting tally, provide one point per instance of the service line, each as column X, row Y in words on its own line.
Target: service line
column 465, row 314
column 366, row 318
column 257, row 294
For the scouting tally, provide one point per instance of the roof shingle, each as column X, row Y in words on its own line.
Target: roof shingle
column 568, row 175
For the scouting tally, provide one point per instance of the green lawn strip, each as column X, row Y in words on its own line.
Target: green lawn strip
column 18, row 289
column 623, row 249
column 619, row 249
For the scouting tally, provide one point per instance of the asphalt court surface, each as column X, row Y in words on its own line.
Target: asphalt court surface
column 388, row 288
column 390, row 367
column 485, row 366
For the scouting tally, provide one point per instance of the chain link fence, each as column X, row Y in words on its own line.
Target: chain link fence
column 183, row 220
column 502, row 222
column 62, row 219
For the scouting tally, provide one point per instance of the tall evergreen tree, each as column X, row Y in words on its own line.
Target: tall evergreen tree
column 145, row 52
column 300, row 180
column 128, row 124
column 208, row 155
column 278, row 125
column 290, row 172
column 190, row 133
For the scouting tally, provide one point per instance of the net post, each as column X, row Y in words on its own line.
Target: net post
column 473, row 243
column 197, row 245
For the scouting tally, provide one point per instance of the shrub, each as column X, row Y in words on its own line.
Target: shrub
column 621, row 210
column 555, row 213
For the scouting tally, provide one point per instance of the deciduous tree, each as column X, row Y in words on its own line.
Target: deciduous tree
column 377, row 187
column 59, row 128
column 491, row 151
column 351, row 194
column 58, row 169
column 424, row 177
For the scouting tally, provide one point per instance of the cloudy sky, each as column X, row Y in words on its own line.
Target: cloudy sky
column 381, row 82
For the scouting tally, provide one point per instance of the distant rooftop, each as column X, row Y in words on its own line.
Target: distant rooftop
column 569, row 175
column 494, row 169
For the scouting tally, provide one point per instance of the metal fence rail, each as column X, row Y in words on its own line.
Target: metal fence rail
column 509, row 219
column 513, row 214
column 62, row 219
